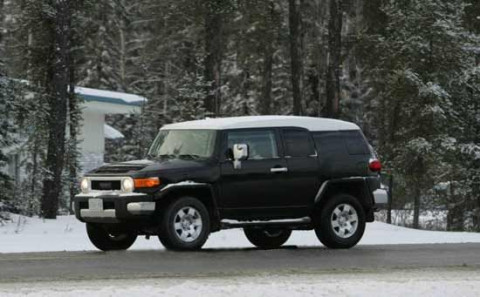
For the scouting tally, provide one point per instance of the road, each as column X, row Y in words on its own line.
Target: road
column 60, row 266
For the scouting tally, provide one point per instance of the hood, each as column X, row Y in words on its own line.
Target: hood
column 123, row 167
column 146, row 166
column 175, row 164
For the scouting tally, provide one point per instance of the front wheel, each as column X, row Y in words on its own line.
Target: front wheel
column 267, row 238
column 110, row 237
column 341, row 222
column 185, row 225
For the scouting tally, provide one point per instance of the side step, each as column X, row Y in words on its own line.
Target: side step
column 297, row 224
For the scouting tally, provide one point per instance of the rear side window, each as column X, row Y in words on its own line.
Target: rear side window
column 261, row 144
column 329, row 143
column 298, row 143
column 356, row 143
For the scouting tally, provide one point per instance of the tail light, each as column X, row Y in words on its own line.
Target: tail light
column 374, row 165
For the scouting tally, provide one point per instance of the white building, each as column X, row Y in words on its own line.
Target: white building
column 96, row 104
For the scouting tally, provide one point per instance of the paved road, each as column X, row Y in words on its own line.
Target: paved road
column 221, row 262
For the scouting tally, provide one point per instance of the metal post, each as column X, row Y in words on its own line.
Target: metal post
column 390, row 196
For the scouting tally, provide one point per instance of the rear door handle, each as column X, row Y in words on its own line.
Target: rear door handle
column 278, row 169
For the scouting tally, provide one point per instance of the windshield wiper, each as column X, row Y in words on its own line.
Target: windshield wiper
column 179, row 156
column 190, row 156
column 165, row 156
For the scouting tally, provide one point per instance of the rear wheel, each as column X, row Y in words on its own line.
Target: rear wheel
column 185, row 225
column 341, row 222
column 267, row 238
column 110, row 237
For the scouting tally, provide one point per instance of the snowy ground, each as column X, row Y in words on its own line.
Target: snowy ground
column 67, row 234
column 402, row 283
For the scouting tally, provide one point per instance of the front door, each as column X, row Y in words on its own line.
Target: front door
column 258, row 188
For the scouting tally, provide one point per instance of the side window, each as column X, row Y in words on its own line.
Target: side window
column 329, row 143
column 356, row 143
column 261, row 143
column 298, row 143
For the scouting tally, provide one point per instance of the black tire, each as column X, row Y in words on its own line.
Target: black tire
column 175, row 239
column 110, row 237
column 324, row 227
column 267, row 238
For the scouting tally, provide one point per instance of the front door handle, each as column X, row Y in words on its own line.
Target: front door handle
column 278, row 169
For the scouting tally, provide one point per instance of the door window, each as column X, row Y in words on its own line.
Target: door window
column 261, row 144
column 298, row 143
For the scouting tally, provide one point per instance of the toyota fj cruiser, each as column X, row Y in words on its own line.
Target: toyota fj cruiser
column 269, row 175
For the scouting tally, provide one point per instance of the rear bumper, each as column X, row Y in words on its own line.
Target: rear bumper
column 380, row 197
column 113, row 207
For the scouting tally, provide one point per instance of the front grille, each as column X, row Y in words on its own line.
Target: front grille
column 108, row 205
column 106, row 185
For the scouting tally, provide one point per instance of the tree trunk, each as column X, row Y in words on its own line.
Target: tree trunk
column 332, row 108
column 266, row 102
column 416, row 208
column 57, row 91
column 213, row 59
column 74, row 115
column 2, row 19
column 390, row 198
column 314, row 83
column 33, row 177
column 455, row 216
column 322, row 18
column 295, row 19
column 2, row 27
column 73, row 162
column 123, row 58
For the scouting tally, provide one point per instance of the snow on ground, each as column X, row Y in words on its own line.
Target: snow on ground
column 67, row 234
column 428, row 219
column 401, row 283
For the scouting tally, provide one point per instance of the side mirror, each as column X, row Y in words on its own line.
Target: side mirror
column 240, row 153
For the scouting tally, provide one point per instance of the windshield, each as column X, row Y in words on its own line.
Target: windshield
column 183, row 143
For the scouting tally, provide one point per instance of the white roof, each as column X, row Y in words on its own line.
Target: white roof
column 310, row 123
column 109, row 96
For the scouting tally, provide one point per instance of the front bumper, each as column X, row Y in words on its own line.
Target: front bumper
column 113, row 207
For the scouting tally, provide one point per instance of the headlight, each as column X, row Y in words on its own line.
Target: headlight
column 85, row 185
column 127, row 184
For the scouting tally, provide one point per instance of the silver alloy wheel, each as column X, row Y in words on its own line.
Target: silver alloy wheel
column 188, row 224
column 344, row 220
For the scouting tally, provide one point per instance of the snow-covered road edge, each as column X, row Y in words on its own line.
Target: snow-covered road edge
column 397, row 283
column 67, row 234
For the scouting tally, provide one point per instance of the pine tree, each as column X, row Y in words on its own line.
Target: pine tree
column 415, row 62
column 49, row 27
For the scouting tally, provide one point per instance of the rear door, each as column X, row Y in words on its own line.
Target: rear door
column 258, row 188
column 303, row 179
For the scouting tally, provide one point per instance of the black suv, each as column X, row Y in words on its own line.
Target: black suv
column 266, row 174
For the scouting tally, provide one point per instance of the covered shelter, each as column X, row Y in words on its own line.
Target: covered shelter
column 94, row 130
